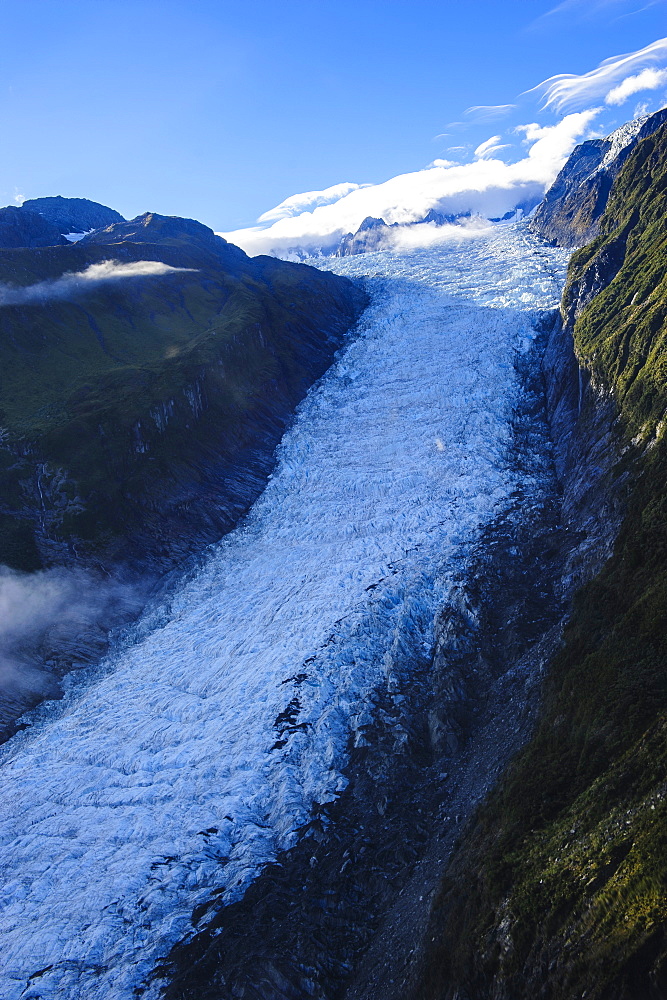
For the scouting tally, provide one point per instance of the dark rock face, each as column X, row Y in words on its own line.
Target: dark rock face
column 570, row 213
column 27, row 229
column 371, row 235
column 72, row 215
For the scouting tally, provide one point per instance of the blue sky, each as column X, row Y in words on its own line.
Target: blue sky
column 219, row 111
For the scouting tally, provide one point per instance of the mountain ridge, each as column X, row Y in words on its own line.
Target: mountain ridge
column 570, row 213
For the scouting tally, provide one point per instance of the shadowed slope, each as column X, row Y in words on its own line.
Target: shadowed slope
column 141, row 404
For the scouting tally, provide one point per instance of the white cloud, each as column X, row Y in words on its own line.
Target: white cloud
column 299, row 203
column 489, row 148
column 486, row 187
column 579, row 10
column 427, row 234
column 488, row 112
column 648, row 79
column 531, row 132
column 73, row 282
column 568, row 92
column 56, row 605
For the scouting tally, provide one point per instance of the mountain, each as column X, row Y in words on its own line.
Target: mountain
column 558, row 887
column 371, row 235
column 27, row 229
column 167, row 231
column 72, row 215
column 572, row 208
column 44, row 222
column 516, row 760
column 148, row 373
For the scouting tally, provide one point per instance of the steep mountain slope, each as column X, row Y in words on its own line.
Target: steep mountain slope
column 141, row 400
column 27, row 229
column 559, row 887
column 571, row 211
column 72, row 215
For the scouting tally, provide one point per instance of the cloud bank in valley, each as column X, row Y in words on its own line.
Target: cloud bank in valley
column 487, row 187
column 490, row 185
column 73, row 283
column 50, row 616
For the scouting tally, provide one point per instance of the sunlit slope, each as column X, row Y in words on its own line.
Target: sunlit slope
column 125, row 402
column 561, row 890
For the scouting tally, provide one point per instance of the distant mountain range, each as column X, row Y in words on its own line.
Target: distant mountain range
column 568, row 215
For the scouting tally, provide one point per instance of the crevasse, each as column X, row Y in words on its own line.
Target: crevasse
column 197, row 751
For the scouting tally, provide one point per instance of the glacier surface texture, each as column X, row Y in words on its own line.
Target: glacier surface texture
column 197, row 750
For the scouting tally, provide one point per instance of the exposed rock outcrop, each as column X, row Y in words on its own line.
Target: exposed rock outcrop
column 371, row 235
column 572, row 208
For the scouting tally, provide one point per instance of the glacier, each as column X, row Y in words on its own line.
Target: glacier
column 194, row 754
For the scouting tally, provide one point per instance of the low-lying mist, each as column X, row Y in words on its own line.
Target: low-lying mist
column 53, row 621
column 73, row 283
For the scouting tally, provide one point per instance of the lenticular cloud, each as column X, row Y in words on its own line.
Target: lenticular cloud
column 74, row 282
column 487, row 187
column 613, row 80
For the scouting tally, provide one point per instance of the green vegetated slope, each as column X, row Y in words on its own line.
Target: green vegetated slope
column 136, row 406
column 560, row 891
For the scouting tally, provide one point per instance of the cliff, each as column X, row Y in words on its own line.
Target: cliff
column 571, row 212
column 558, row 887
